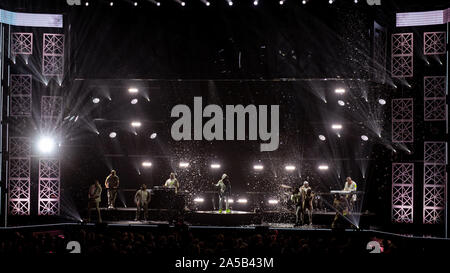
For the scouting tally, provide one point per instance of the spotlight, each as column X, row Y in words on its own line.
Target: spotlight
column 382, row 101
column 242, row 201
column 341, row 102
column 364, row 137
column 183, row 164
column 95, row 100
column 183, row 4
column 112, row 134
column 289, row 168
column 158, row 4
column 336, row 126
column 273, row 201
column 356, row 1
column 207, row 3
column 322, row 137
column 281, row 2
column 304, row 2
column 153, row 136
column 215, row 166
column 230, row 3
column 136, row 124
column 331, row 2
column 133, row 90
column 111, row 4
column 230, row 200
column 323, row 167
column 198, row 200
column 146, row 164
column 255, row 3
column 135, row 4
column 339, row 90
column 46, row 144
column 258, row 167
column 134, row 101
column 87, row 4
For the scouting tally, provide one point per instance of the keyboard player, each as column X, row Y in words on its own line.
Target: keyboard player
column 172, row 183
column 350, row 186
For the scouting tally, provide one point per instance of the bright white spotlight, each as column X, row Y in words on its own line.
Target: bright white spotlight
column 281, row 2
column 134, row 101
column 339, row 90
column 183, row 4
column 341, row 102
column 330, row 2
column 258, row 167
column 255, row 3
column 135, row 4
column 146, row 164
column 198, row 200
column 336, row 126
column 95, row 100
column 46, row 145
column 112, row 134
column 153, row 136
column 289, row 168
column 183, row 164
column 136, row 124
column 207, row 3
column 158, row 4
column 364, row 137
column 215, row 166
column 133, row 90
column 304, row 2
column 322, row 137
column 382, row 101
column 242, row 201
column 111, row 4
column 230, row 200
column 230, row 3
column 323, row 167
column 273, row 201
column 87, row 4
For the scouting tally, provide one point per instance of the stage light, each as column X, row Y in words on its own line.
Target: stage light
column 230, row 3
column 112, row 134
column 339, row 90
column 323, row 167
column 258, row 167
column 322, row 137
column 183, row 4
column 242, row 201
column 304, row 2
column 158, row 4
column 281, row 2
column 95, row 100
column 135, row 4
column 134, row 101
column 273, row 201
column 255, row 3
column 356, row 1
column 198, row 200
column 87, row 4
column 331, row 2
column 289, row 168
column 133, row 90
column 153, row 136
column 46, row 144
column 336, row 126
column 364, row 137
column 111, row 4
column 183, row 164
column 215, row 166
column 146, row 164
column 341, row 102
column 230, row 200
column 382, row 101
column 136, row 124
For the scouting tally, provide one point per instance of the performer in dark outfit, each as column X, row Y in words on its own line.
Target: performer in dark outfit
column 224, row 192
column 112, row 186
column 95, row 193
column 296, row 198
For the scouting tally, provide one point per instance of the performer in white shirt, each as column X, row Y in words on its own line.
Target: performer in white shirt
column 172, row 182
column 350, row 186
column 224, row 186
column 142, row 199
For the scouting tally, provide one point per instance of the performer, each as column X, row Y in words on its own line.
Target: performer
column 224, row 192
column 112, row 185
column 94, row 195
column 142, row 199
column 350, row 186
column 172, row 182
column 341, row 208
column 307, row 204
column 296, row 198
